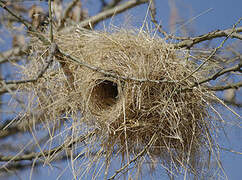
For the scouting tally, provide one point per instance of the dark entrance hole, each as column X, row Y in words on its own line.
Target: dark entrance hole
column 105, row 93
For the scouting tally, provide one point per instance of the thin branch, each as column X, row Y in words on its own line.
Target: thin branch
column 24, row 22
column 106, row 14
column 7, row 128
column 222, row 88
column 211, row 35
column 110, row 5
column 106, row 6
column 66, row 13
column 219, row 73
column 23, row 166
column 53, row 50
column 212, row 54
column 18, row 51
column 4, row 89
column 136, row 157
column 19, row 17
column 113, row 75
column 9, row 131
column 214, row 51
column 231, row 150
column 35, row 155
column 214, row 77
column 152, row 10
column 51, row 22
column 232, row 103
column 237, row 35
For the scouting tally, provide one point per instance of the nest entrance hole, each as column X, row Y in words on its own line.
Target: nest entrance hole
column 105, row 94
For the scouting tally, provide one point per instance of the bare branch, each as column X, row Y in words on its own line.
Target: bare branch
column 110, row 5
column 114, row 75
column 108, row 13
column 212, row 35
column 214, row 51
column 152, row 10
column 222, row 88
column 25, row 23
column 51, row 22
column 136, row 157
column 66, row 13
column 17, row 51
column 20, row 19
column 232, row 103
column 220, row 73
column 231, row 150
column 4, row 89
column 53, row 50
column 34, row 155
column 9, row 131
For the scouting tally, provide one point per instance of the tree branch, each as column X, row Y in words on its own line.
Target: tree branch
column 135, row 158
column 222, row 88
column 232, row 103
column 19, row 17
column 152, row 10
column 110, row 5
column 114, row 75
column 53, row 50
column 24, row 22
column 107, row 13
column 35, row 155
column 18, row 51
column 211, row 35
column 4, row 89
column 66, row 13
column 220, row 73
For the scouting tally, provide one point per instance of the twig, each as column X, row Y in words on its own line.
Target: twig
column 4, row 89
column 9, row 131
column 53, row 50
column 19, row 17
column 214, row 51
column 135, row 158
column 113, row 75
column 25, row 23
column 34, row 155
column 22, row 104
column 188, row 43
column 66, row 13
column 152, row 10
column 106, row 6
column 106, row 14
column 222, row 88
column 18, row 51
column 51, row 22
column 23, row 166
column 230, row 150
column 110, row 5
column 232, row 103
column 218, row 74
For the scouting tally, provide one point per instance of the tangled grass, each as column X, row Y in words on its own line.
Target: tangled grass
column 142, row 113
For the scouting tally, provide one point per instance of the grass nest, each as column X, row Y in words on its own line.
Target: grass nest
column 142, row 109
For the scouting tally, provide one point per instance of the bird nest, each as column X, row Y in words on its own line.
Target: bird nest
column 132, row 87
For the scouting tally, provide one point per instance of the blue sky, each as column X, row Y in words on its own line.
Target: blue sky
column 221, row 14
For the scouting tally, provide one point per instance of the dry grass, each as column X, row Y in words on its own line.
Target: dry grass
column 125, row 112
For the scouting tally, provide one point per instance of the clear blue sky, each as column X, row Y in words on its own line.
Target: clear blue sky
column 223, row 14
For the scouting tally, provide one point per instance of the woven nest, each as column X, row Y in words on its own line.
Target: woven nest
column 145, row 98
